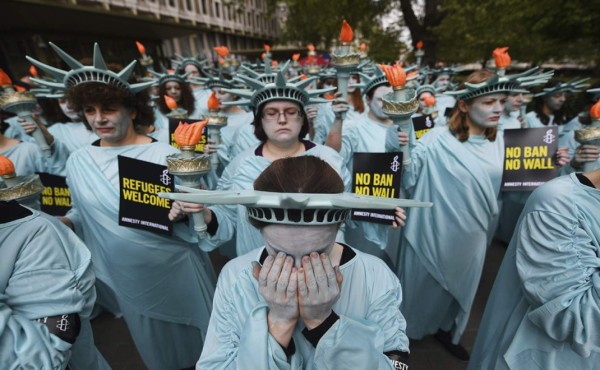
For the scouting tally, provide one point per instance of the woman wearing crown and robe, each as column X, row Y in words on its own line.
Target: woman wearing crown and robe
column 281, row 125
column 457, row 167
column 302, row 300
column 162, row 284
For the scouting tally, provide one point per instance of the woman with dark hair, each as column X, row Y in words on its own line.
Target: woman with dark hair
column 459, row 168
column 162, row 284
column 284, row 306
column 281, row 125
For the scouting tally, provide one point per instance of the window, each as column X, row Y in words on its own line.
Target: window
column 218, row 10
column 204, row 7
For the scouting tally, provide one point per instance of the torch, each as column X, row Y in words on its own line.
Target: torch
column 502, row 60
column 175, row 112
column 146, row 61
column 400, row 104
column 345, row 61
column 216, row 122
column 430, row 106
column 362, row 50
column 22, row 104
column 189, row 166
column 25, row 190
column 223, row 53
column 590, row 134
column 419, row 52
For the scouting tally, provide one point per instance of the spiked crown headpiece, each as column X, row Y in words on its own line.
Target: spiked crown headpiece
column 571, row 87
column 179, row 63
column 293, row 208
column 80, row 74
column 261, row 92
column 502, row 84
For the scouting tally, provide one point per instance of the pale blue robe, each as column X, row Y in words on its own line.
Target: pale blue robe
column 45, row 270
column 234, row 122
column 243, row 139
column 367, row 136
column 26, row 157
column 326, row 116
column 163, row 284
column 544, row 309
column 240, row 175
column 509, row 122
column 16, row 131
column 370, row 322
column 443, row 248
column 68, row 137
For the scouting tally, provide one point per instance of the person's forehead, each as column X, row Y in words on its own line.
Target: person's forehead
column 281, row 104
column 172, row 83
column 191, row 67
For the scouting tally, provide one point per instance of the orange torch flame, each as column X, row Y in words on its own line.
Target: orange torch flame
column 363, row 46
column 595, row 111
column 420, row 44
column 213, row 102
column 395, row 74
column 310, row 47
column 221, row 60
column 222, row 51
column 262, row 56
column 4, row 79
column 267, row 47
column 501, row 57
column 188, row 134
column 171, row 103
column 346, row 34
column 140, row 47
column 7, row 168
column 303, row 77
column 429, row 100
column 295, row 57
column 33, row 71
column 311, row 59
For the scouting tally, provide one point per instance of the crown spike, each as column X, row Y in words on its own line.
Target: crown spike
column 127, row 71
column 99, row 62
column 71, row 62
column 55, row 72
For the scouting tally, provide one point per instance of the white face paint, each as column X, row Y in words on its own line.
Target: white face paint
column 193, row 71
column 223, row 96
column 513, row 102
column 442, row 82
column 555, row 101
column 112, row 124
column 283, row 131
column 68, row 111
column 376, row 102
column 422, row 97
column 352, row 80
column 485, row 111
column 298, row 241
column 173, row 90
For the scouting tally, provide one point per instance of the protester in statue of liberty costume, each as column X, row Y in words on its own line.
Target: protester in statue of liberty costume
column 163, row 285
column 510, row 118
column 280, row 124
column 193, row 68
column 304, row 301
column 46, row 294
column 366, row 134
column 459, row 168
column 543, row 310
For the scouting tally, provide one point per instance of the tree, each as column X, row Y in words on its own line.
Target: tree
column 421, row 25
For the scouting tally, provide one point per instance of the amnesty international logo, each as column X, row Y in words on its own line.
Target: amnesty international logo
column 549, row 137
column 164, row 178
column 395, row 164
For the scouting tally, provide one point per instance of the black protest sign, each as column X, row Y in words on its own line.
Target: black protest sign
column 448, row 112
column 529, row 157
column 56, row 197
column 422, row 124
column 376, row 174
column 174, row 122
column 140, row 207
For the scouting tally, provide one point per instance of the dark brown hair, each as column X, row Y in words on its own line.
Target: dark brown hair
column 259, row 132
column 457, row 124
column 302, row 174
column 538, row 107
column 187, row 102
column 110, row 95
column 52, row 112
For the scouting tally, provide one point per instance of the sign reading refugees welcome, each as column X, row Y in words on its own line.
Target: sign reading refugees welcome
column 529, row 158
column 174, row 122
column 422, row 124
column 376, row 174
column 56, row 197
column 140, row 206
